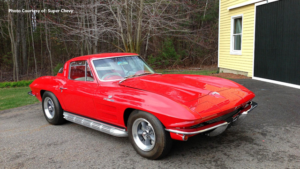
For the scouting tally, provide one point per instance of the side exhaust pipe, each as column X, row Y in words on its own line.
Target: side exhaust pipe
column 96, row 125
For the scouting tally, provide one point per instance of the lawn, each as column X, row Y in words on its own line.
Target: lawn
column 15, row 97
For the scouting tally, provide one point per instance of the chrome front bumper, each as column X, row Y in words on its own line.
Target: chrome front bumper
column 201, row 130
column 218, row 127
column 243, row 113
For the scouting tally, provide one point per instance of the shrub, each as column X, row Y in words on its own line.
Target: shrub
column 22, row 83
column 57, row 67
column 151, row 60
column 167, row 57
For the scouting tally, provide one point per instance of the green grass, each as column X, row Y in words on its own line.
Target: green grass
column 15, row 97
column 22, row 83
column 198, row 72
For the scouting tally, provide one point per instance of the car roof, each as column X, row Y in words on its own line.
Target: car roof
column 102, row 55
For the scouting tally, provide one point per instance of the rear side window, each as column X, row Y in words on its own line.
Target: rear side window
column 80, row 70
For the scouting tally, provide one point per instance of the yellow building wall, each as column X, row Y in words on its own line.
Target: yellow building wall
column 243, row 62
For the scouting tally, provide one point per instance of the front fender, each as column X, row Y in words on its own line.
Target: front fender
column 169, row 112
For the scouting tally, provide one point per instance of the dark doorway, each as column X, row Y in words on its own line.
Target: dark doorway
column 277, row 41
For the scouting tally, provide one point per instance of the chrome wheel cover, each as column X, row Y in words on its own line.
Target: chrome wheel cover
column 49, row 108
column 143, row 134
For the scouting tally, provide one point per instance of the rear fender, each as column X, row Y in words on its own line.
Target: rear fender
column 47, row 83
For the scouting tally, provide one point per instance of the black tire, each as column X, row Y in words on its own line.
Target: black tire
column 163, row 141
column 57, row 117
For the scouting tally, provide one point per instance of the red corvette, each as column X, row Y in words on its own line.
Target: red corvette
column 119, row 94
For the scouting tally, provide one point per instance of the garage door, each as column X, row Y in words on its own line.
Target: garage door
column 277, row 41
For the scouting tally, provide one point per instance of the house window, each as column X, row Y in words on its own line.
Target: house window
column 236, row 35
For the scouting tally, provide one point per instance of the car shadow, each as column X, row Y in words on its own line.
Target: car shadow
column 202, row 145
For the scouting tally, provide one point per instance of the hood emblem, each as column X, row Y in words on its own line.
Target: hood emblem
column 215, row 93
column 110, row 96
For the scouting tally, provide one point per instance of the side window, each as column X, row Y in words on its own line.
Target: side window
column 79, row 70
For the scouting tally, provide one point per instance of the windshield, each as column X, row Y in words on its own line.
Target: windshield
column 118, row 68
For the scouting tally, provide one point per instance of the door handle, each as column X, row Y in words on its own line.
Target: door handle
column 63, row 88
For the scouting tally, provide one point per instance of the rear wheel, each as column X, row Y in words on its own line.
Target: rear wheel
column 52, row 109
column 148, row 136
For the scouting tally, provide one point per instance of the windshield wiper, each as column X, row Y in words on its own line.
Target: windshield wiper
column 131, row 76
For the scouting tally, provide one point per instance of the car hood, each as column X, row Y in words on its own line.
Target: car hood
column 181, row 88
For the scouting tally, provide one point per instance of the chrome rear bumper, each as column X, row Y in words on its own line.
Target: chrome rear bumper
column 30, row 93
column 218, row 127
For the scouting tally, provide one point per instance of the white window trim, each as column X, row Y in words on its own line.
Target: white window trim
column 277, row 82
column 244, row 4
column 219, row 33
column 232, row 51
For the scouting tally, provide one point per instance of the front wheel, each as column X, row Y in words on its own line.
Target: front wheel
column 148, row 136
column 52, row 109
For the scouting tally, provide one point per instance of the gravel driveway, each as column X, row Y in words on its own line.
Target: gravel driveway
column 269, row 138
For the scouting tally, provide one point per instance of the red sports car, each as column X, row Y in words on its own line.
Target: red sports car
column 119, row 94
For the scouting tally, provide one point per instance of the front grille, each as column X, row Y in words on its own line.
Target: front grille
column 197, row 125
column 226, row 117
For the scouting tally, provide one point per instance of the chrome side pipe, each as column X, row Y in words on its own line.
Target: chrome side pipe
column 96, row 125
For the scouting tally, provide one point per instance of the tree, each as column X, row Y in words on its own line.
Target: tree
column 130, row 21
column 172, row 32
